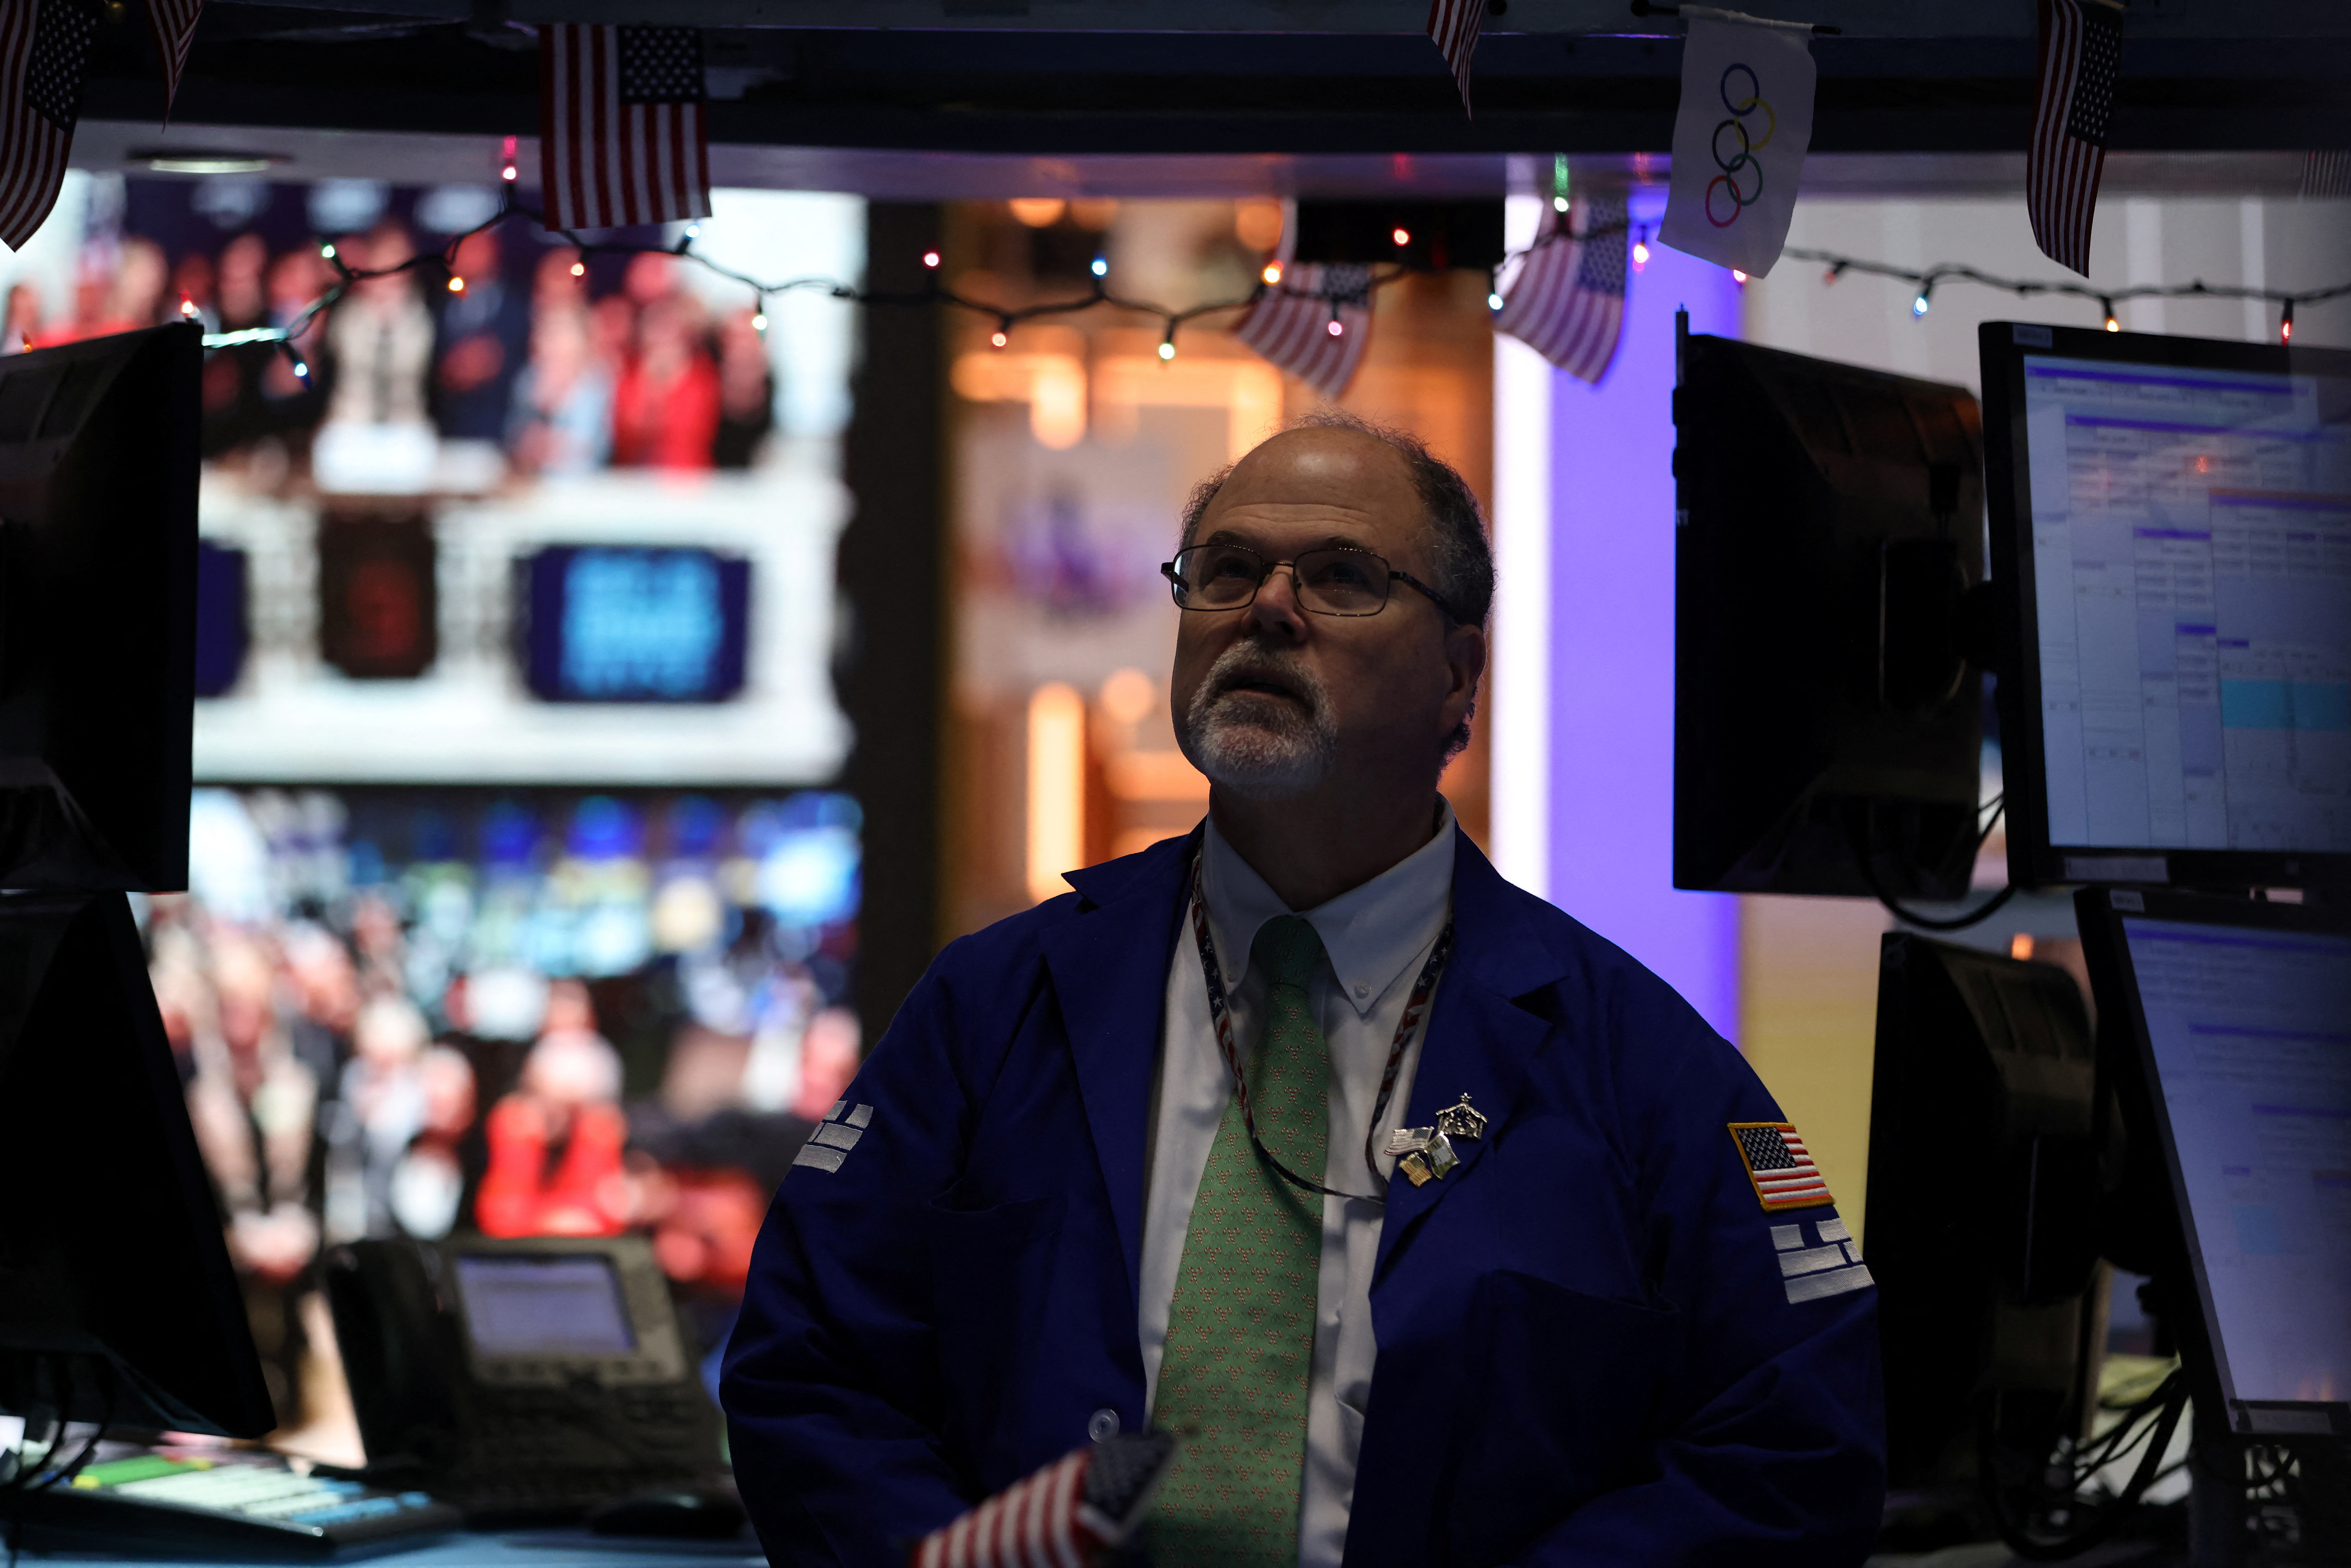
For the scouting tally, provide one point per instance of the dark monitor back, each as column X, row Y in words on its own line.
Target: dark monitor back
column 117, row 1301
column 1983, row 1192
column 97, row 563
column 2171, row 556
column 1829, row 520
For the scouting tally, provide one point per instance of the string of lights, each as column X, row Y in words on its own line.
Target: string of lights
column 1350, row 287
column 1352, row 290
column 2024, row 288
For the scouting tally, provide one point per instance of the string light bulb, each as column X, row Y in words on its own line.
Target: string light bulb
column 1641, row 250
column 1167, row 345
column 931, row 259
column 1919, row 305
column 187, row 307
column 578, row 270
column 1403, row 236
column 2106, row 306
column 1832, row 274
column 760, row 323
column 1100, row 267
column 1738, row 276
column 507, row 173
column 1272, row 272
column 2285, row 323
column 457, row 284
column 1559, row 204
column 506, row 160
column 1338, row 328
column 1493, row 302
column 997, row 340
column 327, row 249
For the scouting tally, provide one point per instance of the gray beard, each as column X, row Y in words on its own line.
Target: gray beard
column 1277, row 752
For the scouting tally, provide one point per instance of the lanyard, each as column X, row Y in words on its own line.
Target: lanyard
column 1220, row 1013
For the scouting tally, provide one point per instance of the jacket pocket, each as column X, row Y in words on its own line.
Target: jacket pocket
column 985, row 1264
column 1562, row 1408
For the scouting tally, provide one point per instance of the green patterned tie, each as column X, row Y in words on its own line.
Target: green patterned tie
column 1240, row 1329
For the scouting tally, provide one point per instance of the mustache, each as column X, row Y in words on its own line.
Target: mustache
column 1246, row 666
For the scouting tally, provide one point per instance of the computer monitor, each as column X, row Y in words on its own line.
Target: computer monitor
column 2171, row 537
column 1984, row 1198
column 1827, row 727
column 98, row 561
column 117, row 1301
column 2231, row 1026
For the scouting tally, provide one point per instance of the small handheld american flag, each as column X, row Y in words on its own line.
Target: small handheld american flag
column 623, row 138
column 1453, row 24
column 174, row 23
column 1315, row 323
column 44, row 52
column 1067, row 1515
column 1567, row 302
column 2081, row 48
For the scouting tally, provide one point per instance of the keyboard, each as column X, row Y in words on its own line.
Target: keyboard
column 240, row 1502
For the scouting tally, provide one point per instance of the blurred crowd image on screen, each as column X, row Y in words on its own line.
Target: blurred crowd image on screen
column 563, row 363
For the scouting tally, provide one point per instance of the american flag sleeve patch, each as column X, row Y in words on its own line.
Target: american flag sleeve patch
column 1777, row 1165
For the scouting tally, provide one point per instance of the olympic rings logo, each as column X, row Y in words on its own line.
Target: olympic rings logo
column 1744, row 159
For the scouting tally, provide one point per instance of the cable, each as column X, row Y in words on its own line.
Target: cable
column 2167, row 1402
column 2021, row 288
column 1866, row 854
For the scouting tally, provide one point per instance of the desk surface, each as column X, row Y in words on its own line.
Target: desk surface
column 506, row 1549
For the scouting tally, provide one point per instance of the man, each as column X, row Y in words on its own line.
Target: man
column 1541, row 1309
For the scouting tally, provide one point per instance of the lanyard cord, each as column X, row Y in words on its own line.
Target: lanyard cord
column 1220, row 1014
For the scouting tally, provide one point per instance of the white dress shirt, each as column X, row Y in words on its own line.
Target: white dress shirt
column 1375, row 938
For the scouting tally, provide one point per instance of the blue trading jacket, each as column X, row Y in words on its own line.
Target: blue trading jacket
column 1587, row 1351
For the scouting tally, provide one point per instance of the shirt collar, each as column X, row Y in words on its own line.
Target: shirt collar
column 1371, row 933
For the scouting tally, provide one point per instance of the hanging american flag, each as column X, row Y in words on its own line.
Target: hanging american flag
column 1064, row 1516
column 1777, row 1164
column 1567, row 302
column 2081, row 46
column 43, row 49
column 622, row 138
column 174, row 22
column 1315, row 323
column 1453, row 24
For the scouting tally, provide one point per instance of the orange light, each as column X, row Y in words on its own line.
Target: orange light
column 2020, row 946
column 456, row 285
column 1402, row 236
column 1272, row 272
column 1640, row 253
column 1057, row 787
column 578, row 270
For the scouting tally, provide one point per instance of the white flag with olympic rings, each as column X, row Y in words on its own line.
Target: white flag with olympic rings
column 1739, row 139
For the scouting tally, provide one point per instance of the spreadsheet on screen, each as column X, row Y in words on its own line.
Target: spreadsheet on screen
column 2251, row 1031
column 2191, row 552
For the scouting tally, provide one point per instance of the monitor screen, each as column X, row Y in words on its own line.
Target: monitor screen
column 518, row 1305
column 641, row 624
column 2249, row 1029
column 2181, row 563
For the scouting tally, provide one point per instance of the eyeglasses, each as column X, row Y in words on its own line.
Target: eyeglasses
column 1336, row 580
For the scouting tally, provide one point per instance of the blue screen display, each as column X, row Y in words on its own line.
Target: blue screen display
column 634, row 624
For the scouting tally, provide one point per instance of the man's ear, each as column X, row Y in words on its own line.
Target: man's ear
column 1465, row 654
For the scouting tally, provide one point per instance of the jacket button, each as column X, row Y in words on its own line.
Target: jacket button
column 1102, row 1425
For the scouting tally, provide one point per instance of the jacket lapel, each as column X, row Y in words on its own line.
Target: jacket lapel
column 1109, row 969
column 1479, row 1043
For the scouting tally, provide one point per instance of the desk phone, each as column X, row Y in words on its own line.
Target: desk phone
column 521, row 1379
